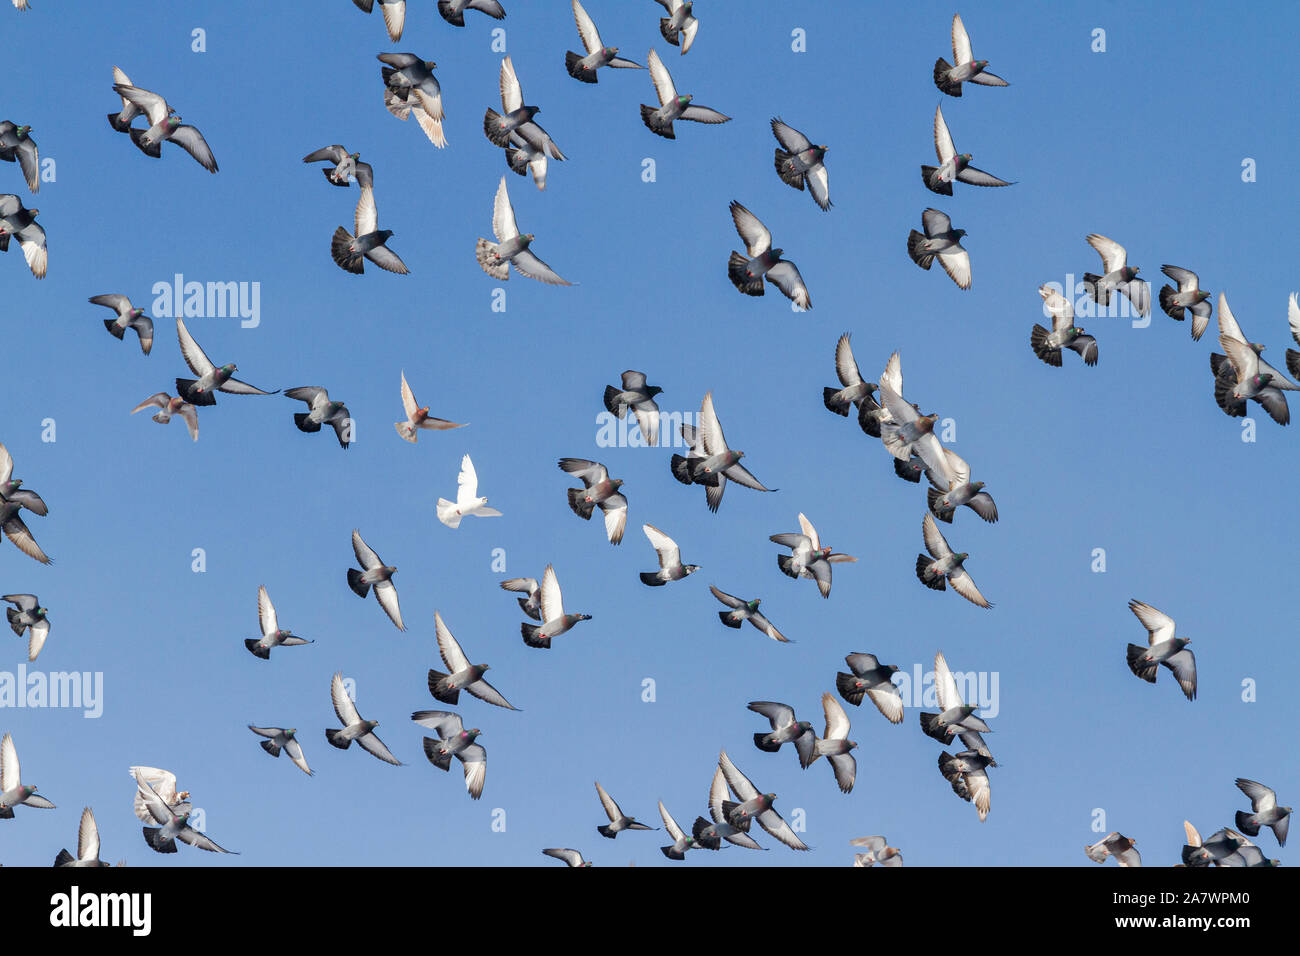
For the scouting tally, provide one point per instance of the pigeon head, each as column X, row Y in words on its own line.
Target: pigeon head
column 41, row 612
column 183, row 795
column 652, row 390
column 965, row 158
column 1075, row 330
column 229, row 369
column 1131, row 272
column 384, row 235
column 926, row 423
column 978, row 485
column 575, row 618
column 27, row 791
column 390, row 569
column 528, row 237
column 609, row 52
column 429, row 64
column 683, row 100
column 336, row 406
column 136, row 313
column 356, row 155
column 174, row 120
column 981, row 63
column 1202, row 295
column 958, row 233
column 960, row 557
column 753, row 605
column 690, row 568
column 22, row 131
column 291, row 731
column 806, row 726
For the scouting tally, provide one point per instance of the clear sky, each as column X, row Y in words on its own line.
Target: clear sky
column 1143, row 142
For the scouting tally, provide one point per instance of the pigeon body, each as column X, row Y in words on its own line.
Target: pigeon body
column 1117, row 845
column 598, row 491
column 799, row 163
column 640, row 397
column 468, row 502
column 323, row 411
column 418, row 417
column 528, row 146
column 168, row 406
column 17, row 146
column 742, row 611
column 87, row 845
column 673, row 106
column 410, row 88
column 670, row 559
column 554, row 620
column 785, row 730
column 949, row 77
column 570, row 857
column 454, row 741
column 28, row 615
column 957, row 718
column 1119, row 276
column 374, row 573
column 748, row 271
column 19, row 222
column 680, row 26
column 751, row 805
column 165, row 126
column 1064, row 334
column 869, row 678
column 834, row 744
column 711, row 461
column 681, row 842
column 453, row 11
column 808, row 559
column 279, row 739
column 940, row 241
column 342, row 168
column 13, row 793
column 618, row 820
column 1265, row 811
column 163, row 785
column 1188, row 297
column 511, row 248
column 953, row 166
column 349, row 251
column 943, row 500
column 944, row 564
column 128, row 317
column 584, row 67
column 1163, row 647
column 461, row 674
column 532, row 604
column 273, row 635
column 966, row 772
column 211, row 378
column 877, row 850
column 854, row 392
column 354, row 726
column 174, row 822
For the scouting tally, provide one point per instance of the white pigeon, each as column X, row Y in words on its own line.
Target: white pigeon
column 467, row 500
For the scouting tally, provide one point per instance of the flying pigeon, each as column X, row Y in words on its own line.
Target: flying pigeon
column 1247, row 376
column 167, row 407
column 374, row 572
column 599, row 490
column 711, row 461
column 454, row 741
column 940, row 240
column 165, row 125
column 1189, row 297
column 870, row 678
column 1247, row 854
column 618, row 821
column 834, row 744
column 785, row 730
column 11, row 488
column 800, row 163
column 322, row 412
column 418, row 417
column 1119, row 276
column 128, row 317
column 906, row 433
column 369, row 242
column 1219, row 846
column 1163, row 648
column 681, row 842
column 640, row 397
column 949, row 78
column 584, row 67
column 753, row 805
column 808, row 559
column 174, row 825
column 163, row 784
column 467, row 503
column 273, row 635
column 710, row 836
column 87, row 845
column 670, row 559
column 943, row 564
column 554, row 621
column 343, row 167
column 953, row 167
column 531, row 605
column 956, row 717
column 394, row 12
column 16, row 530
column 855, row 391
column 12, row 792
column 511, row 248
column 966, row 773
column 742, row 611
column 282, row 739
column 28, row 613
column 1293, row 319
column 570, row 857
column 747, row 272
column 877, row 851
column 20, row 223
column 673, row 106
column 121, row 120
column 1117, row 845
column 410, row 87
column 526, row 143
column 680, row 26
column 354, row 727
column 1264, row 810
column 960, row 490
column 210, row 379
column 17, row 145
column 462, row 674
column 1064, row 335
column 453, row 11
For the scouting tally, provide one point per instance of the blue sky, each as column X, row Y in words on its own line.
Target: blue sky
column 1133, row 456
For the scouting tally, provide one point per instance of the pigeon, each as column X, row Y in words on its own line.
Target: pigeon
column 174, row 825
column 949, row 78
column 524, row 159
column 673, row 106
column 785, row 730
column 1117, row 845
column 680, row 26
column 855, row 390
column 511, row 248
column 835, row 745
column 554, row 621
column 273, row 635
column 20, row 223
column 1247, row 376
column 374, row 572
column 599, row 490
column 418, row 417
column 711, row 461
column 808, row 559
column 348, row 250
column 1064, row 335
column 16, row 530
column 753, row 805
column 22, row 4
column 12, row 792
column 514, row 114
column 747, row 272
column 453, row 11
column 11, row 488
column 1246, row 855
column 343, row 167
column 211, row 379
column 282, row 739
column 322, row 412
column 799, row 163
column 640, row 397
column 17, row 145
column 462, row 674
column 878, row 851
column 966, row 773
column 960, row 490
column 531, row 605
column 1119, row 276
column 467, row 503
column 681, row 842
column 87, row 845
column 410, row 87
column 953, row 167
column 526, row 143
column 940, row 240
column 169, row 406
column 710, row 836
column 454, row 741
column 870, row 678
column 121, row 121
column 163, row 784
column 27, row 613
column 584, row 67
column 618, row 821
column 742, row 611
column 128, row 317
column 165, row 125
column 943, row 564
column 670, row 559
column 1163, row 648
column 908, row 433
column 1189, row 297
column 1293, row 319
column 1214, row 849
column 1264, row 810
column 570, row 857
column 394, row 12
column 354, row 727
column 956, row 716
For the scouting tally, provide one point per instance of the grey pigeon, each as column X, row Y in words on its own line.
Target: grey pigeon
column 570, row 857
column 855, row 391
column 949, row 78
column 1293, row 319
column 618, row 820
column 1246, row 855
column 453, row 11
column 1118, row 276
column 673, row 106
column 273, row 635
column 957, row 718
column 785, row 730
column 808, row 559
column 121, row 120
column 944, row 500
column 966, row 773
column 18, row 222
column 163, row 784
column 670, row 559
column 1163, row 647
column 751, row 805
column 681, row 842
column 411, row 88
column 87, row 845
column 511, row 247
column 531, row 605
column 711, row 461
column 283, row 739
column 418, row 417
column 27, row 613
column 164, row 126
column 454, row 741
column 584, row 67
column 461, row 674
column 800, row 163
column 554, row 621
column 1264, row 811
column 343, row 168
column 680, row 26
column 877, row 851
column 742, row 611
column 348, row 250
column 174, row 826
column 514, row 114
column 640, row 397
column 322, row 412
column 1218, row 846
column 11, row 488
column 944, row 564
column 1117, row 845
column 747, row 272
column 710, row 836
column 394, row 12
column 354, row 727
column 17, row 145
column 17, row 532
column 940, row 240
column 211, row 378
column 167, row 407
column 953, row 166
column 528, row 146
column 834, row 744
column 1064, row 335
column 598, row 491
column 128, row 317
column 12, row 791
column 377, row 574
column 868, row 677
column 1188, row 297
column 905, row 432
column 1241, row 376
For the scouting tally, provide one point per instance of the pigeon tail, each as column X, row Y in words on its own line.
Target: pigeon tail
column 271, row 747
column 1293, row 362
column 137, row 137
column 1172, row 310
column 117, row 124
column 682, row 469
column 941, row 70
column 1038, row 342
column 492, row 128
column 905, row 471
column 922, row 259
column 1233, row 407
column 442, row 693
column 18, row 629
column 784, row 561
column 572, row 63
column 333, row 736
column 740, row 277
column 930, row 727
column 762, row 742
column 927, row 174
column 153, row 836
column 605, row 831
column 847, row 685
column 787, row 170
column 185, row 389
column 64, row 857
column 578, row 505
column 329, row 174
column 1147, row 671
column 1245, row 824
column 612, row 403
column 662, row 129
column 1092, row 283
column 489, row 261
column 932, row 498
column 347, row 260
column 440, row 760
column 935, row 582
column 728, row 620
column 116, row 330
column 652, row 578
column 359, row 587
column 300, row 419
column 834, row 404
column 669, row 33
column 254, row 647
column 529, row 631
